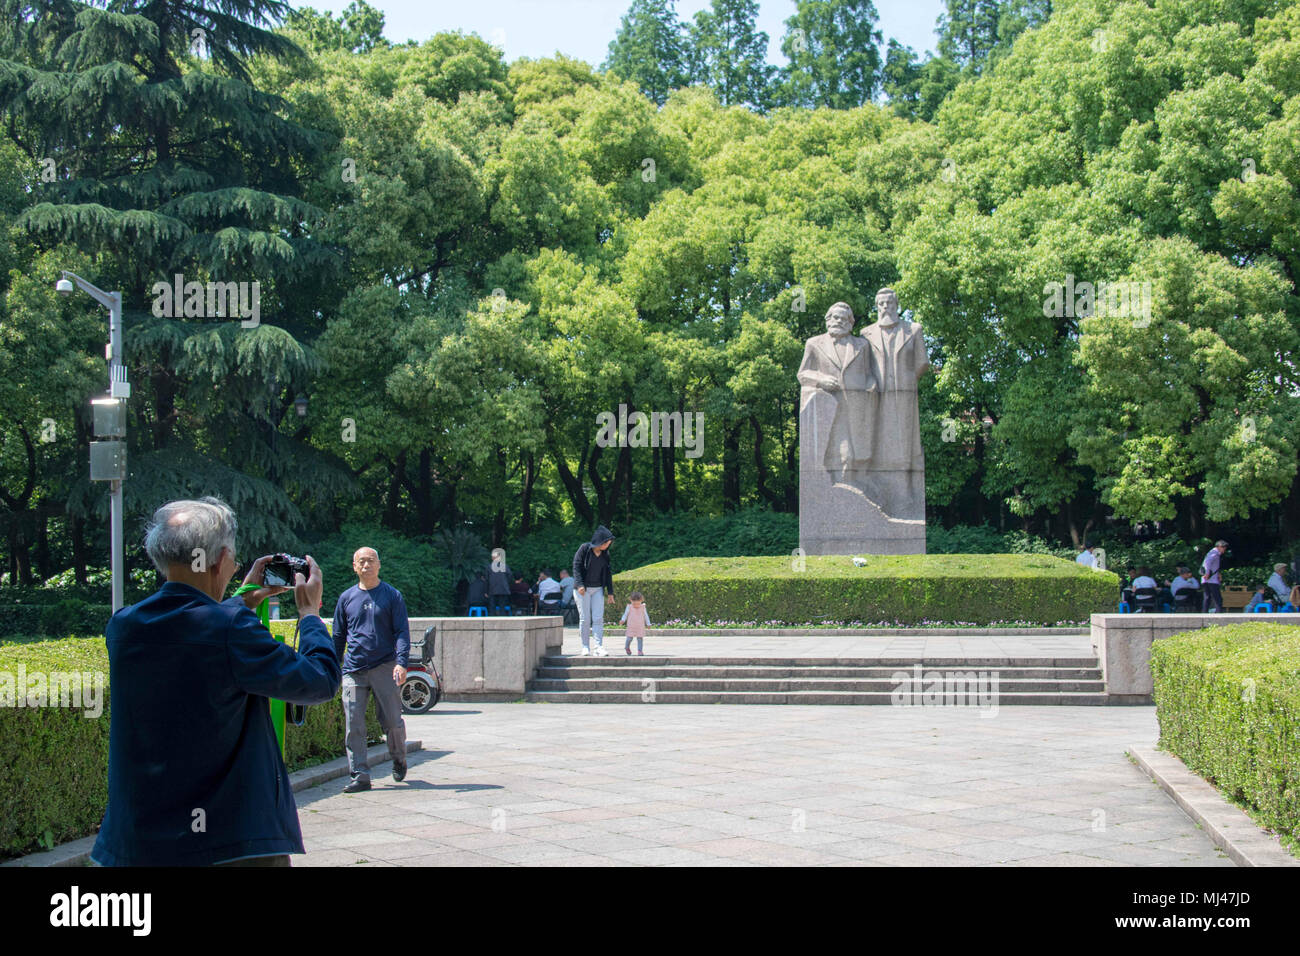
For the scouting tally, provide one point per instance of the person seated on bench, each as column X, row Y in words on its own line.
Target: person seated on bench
column 1261, row 597
column 1277, row 584
column 549, row 594
column 1126, row 586
column 1185, row 581
column 476, row 595
column 1146, row 592
column 521, row 596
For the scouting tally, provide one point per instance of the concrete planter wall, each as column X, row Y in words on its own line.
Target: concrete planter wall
column 1123, row 645
column 488, row 658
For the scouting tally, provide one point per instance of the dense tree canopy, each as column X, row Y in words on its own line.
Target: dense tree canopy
column 464, row 263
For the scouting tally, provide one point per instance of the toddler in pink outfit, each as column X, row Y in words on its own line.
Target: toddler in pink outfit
column 637, row 619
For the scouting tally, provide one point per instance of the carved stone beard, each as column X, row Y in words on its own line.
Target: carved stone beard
column 887, row 317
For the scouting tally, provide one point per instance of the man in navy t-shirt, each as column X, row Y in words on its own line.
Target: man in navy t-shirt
column 373, row 640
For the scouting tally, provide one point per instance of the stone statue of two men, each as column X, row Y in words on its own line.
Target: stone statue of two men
column 862, row 469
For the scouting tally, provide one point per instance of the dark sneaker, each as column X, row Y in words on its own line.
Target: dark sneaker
column 358, row 785
column 399, row 770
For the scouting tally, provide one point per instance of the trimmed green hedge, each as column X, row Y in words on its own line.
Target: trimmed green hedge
column 54, row 782
column 54, row 619
column 910, row 589
column 1228, row 702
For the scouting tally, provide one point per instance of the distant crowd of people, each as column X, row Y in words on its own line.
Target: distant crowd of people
column 584, row 591
column 1185, row 591
column 499, row 590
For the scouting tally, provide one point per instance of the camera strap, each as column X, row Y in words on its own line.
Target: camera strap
column 295, row 714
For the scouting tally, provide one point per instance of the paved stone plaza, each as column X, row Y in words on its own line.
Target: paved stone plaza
column 619, row 784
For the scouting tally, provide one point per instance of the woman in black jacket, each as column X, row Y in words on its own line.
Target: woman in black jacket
column 595, row 578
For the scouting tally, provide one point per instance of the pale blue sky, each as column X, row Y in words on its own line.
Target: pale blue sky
column 583, row 28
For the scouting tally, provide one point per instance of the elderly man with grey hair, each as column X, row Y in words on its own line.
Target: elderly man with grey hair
column 195, row 775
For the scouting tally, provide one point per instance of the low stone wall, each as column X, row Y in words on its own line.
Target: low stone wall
column 488, row 658
column 1123, row 645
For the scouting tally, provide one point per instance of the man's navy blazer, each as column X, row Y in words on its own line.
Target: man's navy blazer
column 195, row 775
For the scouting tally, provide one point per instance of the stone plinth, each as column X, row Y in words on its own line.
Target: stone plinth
column 838, row 519
column 488, row 658
column 1123, row 645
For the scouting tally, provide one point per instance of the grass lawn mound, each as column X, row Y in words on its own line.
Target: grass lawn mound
column 920, row 589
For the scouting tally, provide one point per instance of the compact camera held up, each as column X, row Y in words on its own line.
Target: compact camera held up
column 280, row 570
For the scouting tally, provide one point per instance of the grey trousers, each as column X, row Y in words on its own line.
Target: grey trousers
column 591, row 616
column 388, row 705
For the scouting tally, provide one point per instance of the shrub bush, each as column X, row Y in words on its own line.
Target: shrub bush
column 965, row 539
column 1228, row 703
column 912, row 589
column 754, row 531
column 758, row 532
column 55, row 782
column 62, row 617
column 412, row 565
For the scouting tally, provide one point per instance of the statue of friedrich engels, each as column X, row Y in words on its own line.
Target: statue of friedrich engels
column 862, row 469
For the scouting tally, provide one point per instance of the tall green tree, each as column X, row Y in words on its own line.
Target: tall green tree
column 167, row 161
column 833, row 49
column 728, row 53
column 358, row 29
column 968, row 31
column 914, row 88
column 974, row 33
column 650, row 49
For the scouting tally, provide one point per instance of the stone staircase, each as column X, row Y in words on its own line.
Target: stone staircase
column 730, row 680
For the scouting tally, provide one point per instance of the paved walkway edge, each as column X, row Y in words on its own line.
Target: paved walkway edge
column 1228, row 827
column 77, row 852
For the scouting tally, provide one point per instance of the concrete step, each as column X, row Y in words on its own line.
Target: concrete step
column 813, row 680
column 617, row 658
column 805, row 672
column 794, row 685
column 1067, row 699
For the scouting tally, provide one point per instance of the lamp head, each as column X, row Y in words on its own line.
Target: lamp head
column 64, row 286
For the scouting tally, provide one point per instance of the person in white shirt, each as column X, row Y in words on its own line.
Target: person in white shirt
column 547, row 586
column 1086, row 557
column 1144, row 579
column 1185, row 579
column 1277, row 584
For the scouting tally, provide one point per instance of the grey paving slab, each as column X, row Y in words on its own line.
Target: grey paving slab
column 697, row 785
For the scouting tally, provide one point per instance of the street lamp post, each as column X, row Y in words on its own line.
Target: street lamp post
column 109, row 463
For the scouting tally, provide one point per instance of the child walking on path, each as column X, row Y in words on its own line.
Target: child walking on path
column 637, row 619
